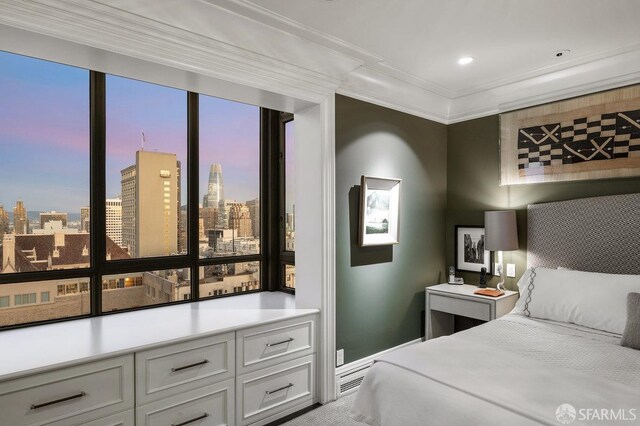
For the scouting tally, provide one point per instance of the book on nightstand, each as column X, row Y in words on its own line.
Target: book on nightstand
column 489, row 292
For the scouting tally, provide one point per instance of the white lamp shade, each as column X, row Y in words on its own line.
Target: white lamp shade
column 501, row 230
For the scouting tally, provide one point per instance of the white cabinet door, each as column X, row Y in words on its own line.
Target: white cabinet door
column 87, row 391
column 275, row 389
column 208, row 406
column 270, row 344
column 173, row 369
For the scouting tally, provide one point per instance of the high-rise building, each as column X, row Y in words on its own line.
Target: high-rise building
column 53, row 216
column 254, row 212
column 4, row 222
column 20, row 220
column 240, row 220
column 113, row 208
column 182, row 230
column 85, row 219
column 182, row 217
column 150, row 212
column 209, row 216
column 128, row 203
column 215, row 190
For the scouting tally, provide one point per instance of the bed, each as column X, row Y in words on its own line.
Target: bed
column 522, row 369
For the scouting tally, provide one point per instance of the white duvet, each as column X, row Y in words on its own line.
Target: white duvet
column 513, row 371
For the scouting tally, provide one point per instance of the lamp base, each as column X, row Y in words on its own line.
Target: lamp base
column 500, row 286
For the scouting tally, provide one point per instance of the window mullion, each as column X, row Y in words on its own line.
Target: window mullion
column 97, row 96
column 193, row 166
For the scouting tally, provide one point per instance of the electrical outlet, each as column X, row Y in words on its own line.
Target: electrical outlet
column 511, row 270
column 340, row 357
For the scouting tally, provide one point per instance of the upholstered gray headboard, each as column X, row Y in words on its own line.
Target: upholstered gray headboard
column 599, row 234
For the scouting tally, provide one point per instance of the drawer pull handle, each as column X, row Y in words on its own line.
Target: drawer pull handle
column 290, row 339
column 58, row 401
column 290, row 385
column 176, row 369
column 204, row 416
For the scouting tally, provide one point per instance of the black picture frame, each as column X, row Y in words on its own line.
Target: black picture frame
column 465, row 265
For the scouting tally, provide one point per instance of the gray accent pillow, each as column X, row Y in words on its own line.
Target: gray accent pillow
column 631, row 335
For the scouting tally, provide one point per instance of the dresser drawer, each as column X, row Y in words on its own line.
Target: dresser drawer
column 173, row 369
column 126, row 418
column 275, row 389
column 210, row 405
column 266, row 345
column 472, row 309
column 85, row 392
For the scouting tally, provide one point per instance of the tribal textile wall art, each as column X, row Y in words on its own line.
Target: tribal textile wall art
column 590, row 137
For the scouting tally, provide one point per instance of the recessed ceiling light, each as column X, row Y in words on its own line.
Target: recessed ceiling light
column 465, row 60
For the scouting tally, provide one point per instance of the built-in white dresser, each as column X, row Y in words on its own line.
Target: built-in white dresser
column 245, row 360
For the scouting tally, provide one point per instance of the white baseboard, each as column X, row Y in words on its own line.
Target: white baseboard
column 354, row 365
column 349, row 376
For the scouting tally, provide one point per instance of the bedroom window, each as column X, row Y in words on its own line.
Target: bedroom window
column 127, row 195
column 287, row 203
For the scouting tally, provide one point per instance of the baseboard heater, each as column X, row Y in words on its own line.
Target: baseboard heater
column 349, row 381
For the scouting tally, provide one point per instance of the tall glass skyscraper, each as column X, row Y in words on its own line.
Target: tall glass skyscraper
column 215, row 192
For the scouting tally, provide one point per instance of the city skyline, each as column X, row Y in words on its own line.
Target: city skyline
column 40, row 133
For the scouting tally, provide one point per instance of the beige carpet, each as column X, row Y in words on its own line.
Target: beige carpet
column 335, row 413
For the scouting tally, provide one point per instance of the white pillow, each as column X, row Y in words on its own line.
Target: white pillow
column 588, row 299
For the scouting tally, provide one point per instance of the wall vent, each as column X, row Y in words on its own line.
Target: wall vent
column 349, row 381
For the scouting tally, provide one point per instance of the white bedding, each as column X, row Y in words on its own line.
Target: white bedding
column 513, row 371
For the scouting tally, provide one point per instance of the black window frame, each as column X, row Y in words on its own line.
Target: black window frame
column 286, row 257
column 270, row 253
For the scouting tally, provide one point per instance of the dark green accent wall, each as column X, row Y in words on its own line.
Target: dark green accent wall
column 380, row 290
column 450, row 176
column 473, row 175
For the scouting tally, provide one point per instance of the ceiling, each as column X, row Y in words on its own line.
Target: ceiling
column 510, row 39
column 402, row 54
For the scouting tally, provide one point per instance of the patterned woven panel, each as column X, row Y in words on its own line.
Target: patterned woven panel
column 599, row 234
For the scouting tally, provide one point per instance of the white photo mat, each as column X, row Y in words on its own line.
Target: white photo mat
column 379, row 211
column 468, row 257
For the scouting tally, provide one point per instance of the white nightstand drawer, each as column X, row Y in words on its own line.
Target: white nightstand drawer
column 275, row 389
column 173, row 369
column 208, row 406
column 472, row 309
column 88, row 391
column 262, row 346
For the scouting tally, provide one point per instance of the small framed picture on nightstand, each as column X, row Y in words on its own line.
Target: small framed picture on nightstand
column 470, row 253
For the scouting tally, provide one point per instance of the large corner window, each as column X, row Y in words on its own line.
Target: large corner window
column 229, row 182
column 44, row 158
column 122, row 194
column 146, row 146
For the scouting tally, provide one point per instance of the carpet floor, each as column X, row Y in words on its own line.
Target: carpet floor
column 335, row 413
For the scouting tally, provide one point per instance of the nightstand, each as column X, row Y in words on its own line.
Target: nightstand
column 445, row 301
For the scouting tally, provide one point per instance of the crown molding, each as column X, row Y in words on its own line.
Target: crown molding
column 99, row 26
column 595, row 76
column 310, row 65
column 257, row 13
column 532, row 74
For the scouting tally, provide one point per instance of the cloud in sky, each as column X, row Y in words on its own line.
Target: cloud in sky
column 44, row 134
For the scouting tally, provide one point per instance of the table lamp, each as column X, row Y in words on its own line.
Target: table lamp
column 501, row 234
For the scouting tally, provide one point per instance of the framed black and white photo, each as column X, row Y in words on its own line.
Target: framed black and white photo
column 379, row 211
column 470, row 253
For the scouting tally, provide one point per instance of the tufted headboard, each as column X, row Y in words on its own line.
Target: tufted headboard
column 600, row 234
